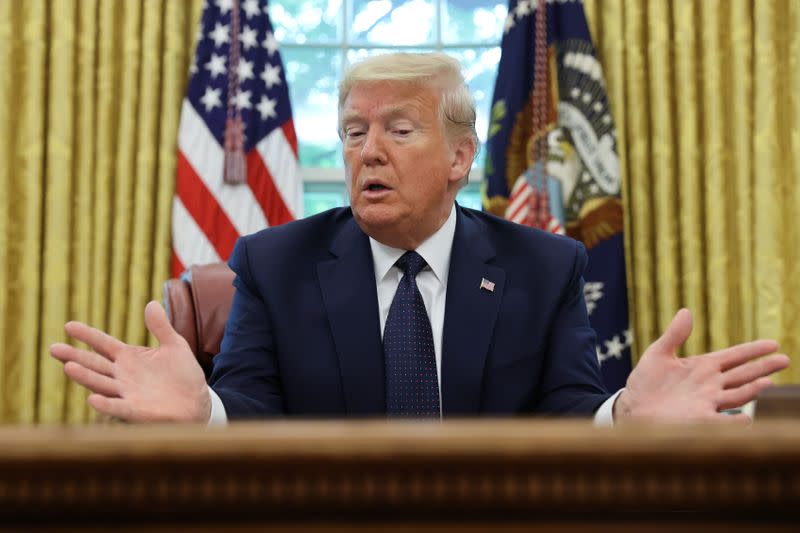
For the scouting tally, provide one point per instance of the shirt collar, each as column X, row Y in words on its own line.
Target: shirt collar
column 435, row 250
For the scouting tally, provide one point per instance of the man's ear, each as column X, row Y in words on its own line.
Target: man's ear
column 463, row 154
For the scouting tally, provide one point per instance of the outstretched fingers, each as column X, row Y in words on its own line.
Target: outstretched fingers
column 91, row 360
column 742, row 353
column 736, row 397
column 750, row 370
column 116, row 407
column 92, row 380
column 99, row 341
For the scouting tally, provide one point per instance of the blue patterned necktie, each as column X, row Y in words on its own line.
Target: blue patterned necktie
column 412, row 387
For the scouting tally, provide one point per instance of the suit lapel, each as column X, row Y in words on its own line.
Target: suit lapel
column 348, row 291
column 470, row 314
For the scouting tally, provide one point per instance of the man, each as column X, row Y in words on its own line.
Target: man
column 406, row 304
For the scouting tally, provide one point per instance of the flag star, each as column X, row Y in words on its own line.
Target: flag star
column 250, row 8
column 220, row 35
column 216, row 65
column 193, row 68
column 598, row 106
column 600, row 356
column 271, row 75
column 224, row 5
column 267, row 108
column 509, row 23
column 628, row 337
column 242, row 100
column 270, row 43
column 614, row 347
column 211, row 99
column 245, row 70
column 249, row 37
column 523, row 8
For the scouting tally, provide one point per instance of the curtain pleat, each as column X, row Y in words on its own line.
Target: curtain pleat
column 58, row 214
column 688, row 177
column 741, row 178
column 82, row 299
column 23, row 96
column 792, row 114
column 771, row 176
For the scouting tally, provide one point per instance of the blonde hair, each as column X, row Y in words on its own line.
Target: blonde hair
column 436, row 70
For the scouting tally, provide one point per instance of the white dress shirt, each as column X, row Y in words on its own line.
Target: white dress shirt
column 432, row 284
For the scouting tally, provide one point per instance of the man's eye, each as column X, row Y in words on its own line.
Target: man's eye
column 353, row 134
column 402, row 132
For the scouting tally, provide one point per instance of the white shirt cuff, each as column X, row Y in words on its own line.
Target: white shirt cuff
column 218, row 415
column 604, row 416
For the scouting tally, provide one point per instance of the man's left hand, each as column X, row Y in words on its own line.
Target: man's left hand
column 664, row 387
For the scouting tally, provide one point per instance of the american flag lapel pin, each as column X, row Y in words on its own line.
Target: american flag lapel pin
column 487, row 285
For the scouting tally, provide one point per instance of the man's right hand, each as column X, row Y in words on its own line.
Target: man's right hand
column 136, row 383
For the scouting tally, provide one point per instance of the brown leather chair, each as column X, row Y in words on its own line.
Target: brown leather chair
column 198, row 305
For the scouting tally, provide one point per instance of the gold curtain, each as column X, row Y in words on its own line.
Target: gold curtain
column 89, row 107
column 704, row 97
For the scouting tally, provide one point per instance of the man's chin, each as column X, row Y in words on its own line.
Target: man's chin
column 381, row 223
column 376, row 218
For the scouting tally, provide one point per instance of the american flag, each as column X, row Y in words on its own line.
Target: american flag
column 237, row 83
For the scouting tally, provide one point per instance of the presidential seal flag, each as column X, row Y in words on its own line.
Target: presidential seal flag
column 237, row 149
column 551, row 157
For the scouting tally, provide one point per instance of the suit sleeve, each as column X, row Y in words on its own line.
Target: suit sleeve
column 246, row 375
column 571, row 381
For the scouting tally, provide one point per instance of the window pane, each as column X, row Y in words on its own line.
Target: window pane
column 479, row 66
column 473, row 21
column 319, row 197
column 306, row 21
column 313, row 75
column 470, row 196
column 392, row 22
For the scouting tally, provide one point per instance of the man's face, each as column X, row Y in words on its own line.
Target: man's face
column 402, row 172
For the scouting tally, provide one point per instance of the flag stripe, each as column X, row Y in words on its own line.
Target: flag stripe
column 281, row 163
column 207, row 158
column 190, row 244
column 177, row 266
column 291, row 136
column 202, row 206
column 261, row 181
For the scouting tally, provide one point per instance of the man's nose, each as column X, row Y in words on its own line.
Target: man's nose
column 373, row 151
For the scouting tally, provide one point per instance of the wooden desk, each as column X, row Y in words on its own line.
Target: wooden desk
column 465, row 476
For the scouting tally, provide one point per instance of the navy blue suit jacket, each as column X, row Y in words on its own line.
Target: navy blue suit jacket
column 303, row 337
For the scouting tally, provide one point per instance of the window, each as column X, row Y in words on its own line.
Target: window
column 319, row 38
